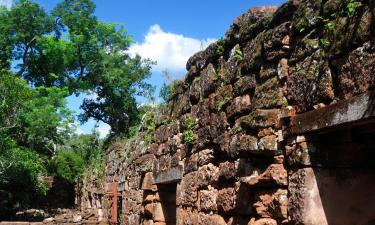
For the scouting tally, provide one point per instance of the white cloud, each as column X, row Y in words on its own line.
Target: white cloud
column 6, row 3
column 103, row 129
column 171, row 51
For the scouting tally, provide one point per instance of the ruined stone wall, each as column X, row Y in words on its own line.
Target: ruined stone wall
column 224, row 149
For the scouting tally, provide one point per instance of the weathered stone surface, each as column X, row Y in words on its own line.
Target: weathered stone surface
column 261, row 119
column 268, row 95
column 253, row 53
column 145, row 163
column 274, row 47
column 242, row 143
column 208, row 200
column 164, row 163
column 244, row 85
column 272, row 204
column 223, row 97
column 187, row 216
column 158, row 213
column 211, row 220
column 239, row 105
column 218, row 124
column 266, row 132
column 148, row 222
column 238, row 220
column 310, row 83
column 248, row 24
column 205, row 157
column 317, row 196
column 229, row 70
column 173, row 174
column 202, row 112
column 177, row 157
column 263, row 221
column 227, row 170
column 149, row 198
column 298, row 154
column 268, row 143
column 147, row 181
column 187, row 193
column 226, row 200
column 275, row 174
column 161, row 134
column 283, row 68
column 352, row 110
column 191, row 163
column 207, row 175
column 203, row 138
column 243, row 93
column 195, row 91
column 180, row 105
column 207, row 81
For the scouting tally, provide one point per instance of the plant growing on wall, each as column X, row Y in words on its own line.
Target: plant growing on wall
column 189, row 125
column 220, row 48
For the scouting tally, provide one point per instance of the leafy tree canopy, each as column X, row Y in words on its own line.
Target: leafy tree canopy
column 70, row 48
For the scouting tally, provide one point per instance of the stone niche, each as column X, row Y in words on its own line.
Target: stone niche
column 332, row 175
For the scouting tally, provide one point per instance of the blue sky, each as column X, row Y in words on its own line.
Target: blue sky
column 167, row 31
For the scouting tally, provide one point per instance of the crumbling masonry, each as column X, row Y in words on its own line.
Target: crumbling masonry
column 273, row 124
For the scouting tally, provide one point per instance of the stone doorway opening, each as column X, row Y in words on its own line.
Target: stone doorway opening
column 167, row 194
column 333, row 179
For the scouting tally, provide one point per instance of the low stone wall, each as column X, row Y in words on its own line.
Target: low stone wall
column 225, row 149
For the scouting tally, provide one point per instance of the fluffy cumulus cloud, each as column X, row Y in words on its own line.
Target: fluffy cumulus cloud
column 6, row 3
column 171, row 51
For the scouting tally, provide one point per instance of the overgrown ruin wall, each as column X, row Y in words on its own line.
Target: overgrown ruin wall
column 267, row 128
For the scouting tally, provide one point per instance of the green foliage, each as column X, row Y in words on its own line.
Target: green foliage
column 150, row 126
column 300, row 25
column 46, row 121
column 53, row 64
column 74, row 156
column 24, row 24
column 69, row 165
column 351, row 6
column 324, row 42
column 115, row 88
column 70, row 48
column 238, row 55
column 189, row 126
column 19, row 172
column 13, row 95
column 330, row 25
column 165, row 92
column 189, row 136
column 220, row 48
column 223, row 102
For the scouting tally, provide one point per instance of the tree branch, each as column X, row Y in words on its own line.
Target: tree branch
column 24, row 57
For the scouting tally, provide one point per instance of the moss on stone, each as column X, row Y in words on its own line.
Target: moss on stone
column 268, row 95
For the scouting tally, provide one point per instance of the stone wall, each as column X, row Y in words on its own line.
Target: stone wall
column 228, row 147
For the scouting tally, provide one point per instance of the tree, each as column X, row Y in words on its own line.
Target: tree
column 27, row 22
column 80, row 152
column 46, row 121
column 70, row 48
column 166, row 88
column 115, row 87
column 13, row 94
